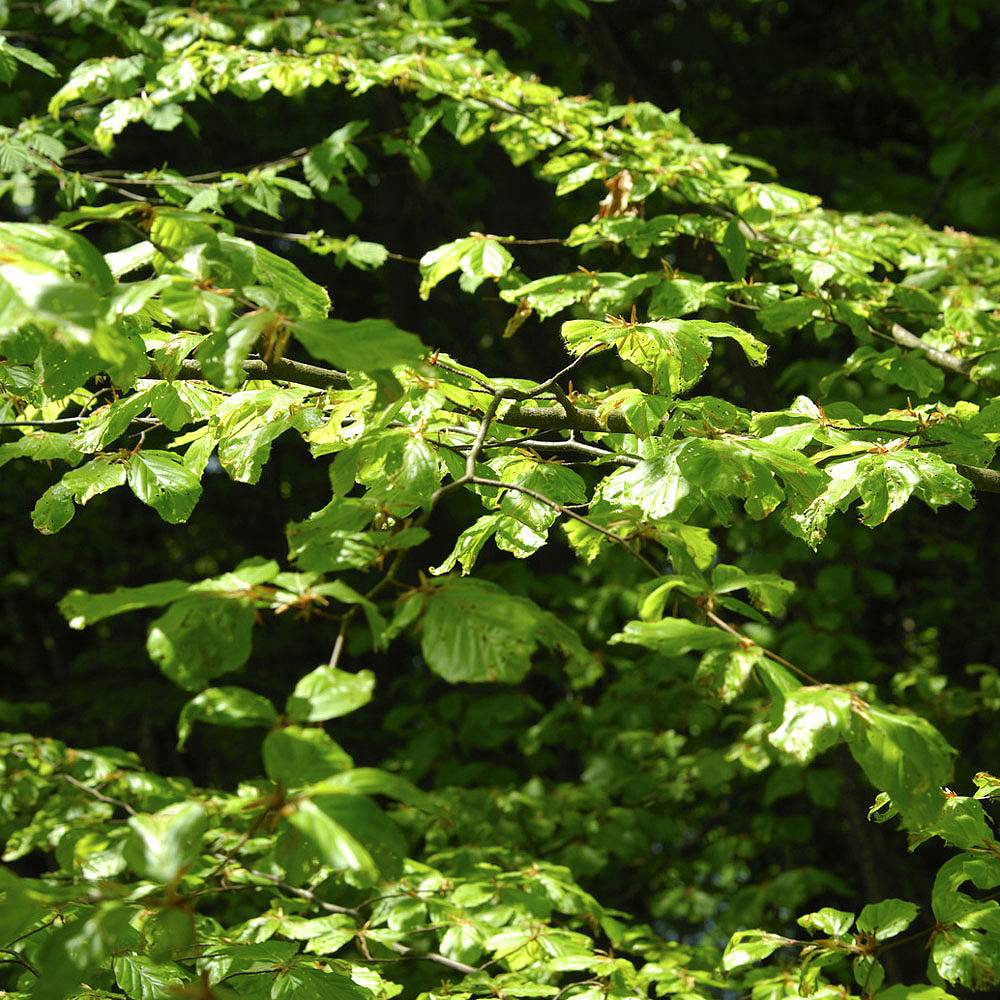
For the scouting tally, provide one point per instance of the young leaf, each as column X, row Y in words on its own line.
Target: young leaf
column 234, row 707
column 327, row 693
column 298, row 757
column 888, row 918
column 163, row 844
column 675, row 636
column 365, row 345
column 199, row 638
column 162, row 480
column 746, row 947
column 475, row 631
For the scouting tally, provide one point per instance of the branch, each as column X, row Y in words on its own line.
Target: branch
column 552, row 383
column 433, row 956
column 475, row 451
column 941, row 359
column 985, row 480
column 559, row 418
column 400, row 949
column 561, row 509
column 68, row 423
column 949, row 362
column 306, row 894
column 579, row 448
column 100, row 796
column 556, row 417
column 283, row 370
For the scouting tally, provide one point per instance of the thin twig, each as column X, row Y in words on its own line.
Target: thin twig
column 100, row 796
column 338, row 645
column 475, row 451
column 563, row 509
column 238, row 846
column 471, row 376
column 305, row 894
column 552, row 383
column 769, row 653
column 16, row 958
column 572, row 447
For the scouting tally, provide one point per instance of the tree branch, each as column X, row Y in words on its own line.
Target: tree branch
column 561, row 509
column 100, row 796
column 283, row 370
column 554, row 417
column 400, row 949
column 940, row 359
column 948, row 362
column 576, row 448
column 985, row 480
column 558, row 418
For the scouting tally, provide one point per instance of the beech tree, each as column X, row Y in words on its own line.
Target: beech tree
column 609, row 621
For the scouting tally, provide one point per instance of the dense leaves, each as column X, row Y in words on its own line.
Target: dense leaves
column 540, row 669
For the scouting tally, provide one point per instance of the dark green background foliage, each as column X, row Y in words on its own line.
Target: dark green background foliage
column 595, row 761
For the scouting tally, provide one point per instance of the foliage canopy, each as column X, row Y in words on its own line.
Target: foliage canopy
column 557, row 657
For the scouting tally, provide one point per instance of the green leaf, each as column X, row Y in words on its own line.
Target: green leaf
column 333, row 538
column 246, row 959
column 18, row 913
column 327, row 161
column 164, row 844
column 373, row 781
column 768, row 591
column 27, row 57
column 675, row 636
column 221, row 354
column 248, row 423
column 328, row 693
column 888, row 918
column 304, row 982
column 162, row 480
column 82, row 609
column 746, row 947
column 813, row 720
column 724, row 672
column 987, row 785
column 332, row 842
column 883, row 482
column 733, row 250
column 362, row 254
column 678, row 297
column 55, row 507
column 835, row 923
column 900, row 992
column 234, row 707
column 905, row 756
column 297, row 294
column 298, row 757
column 478, row 257
column 401, row 471
column 40, row 446
column 143, row 979
column 522, row 525
column 72, row 954
column 674, row 352
column 474, row 631
column 966, row 953
column 787, row 314
column 199, row 638
column 365, row 345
